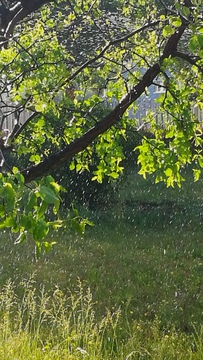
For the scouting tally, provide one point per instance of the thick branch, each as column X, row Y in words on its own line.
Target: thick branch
column 19, row 12
column 19, row 128
column 82, row 143
column 7, row 14
column 190, row 59
column 111, row 119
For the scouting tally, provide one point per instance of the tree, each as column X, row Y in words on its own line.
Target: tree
column 60, row 62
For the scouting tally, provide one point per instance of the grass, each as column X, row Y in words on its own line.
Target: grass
column 54, row 326
column 143, row 261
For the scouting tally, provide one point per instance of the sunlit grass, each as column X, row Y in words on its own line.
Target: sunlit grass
column 53, row 326
column 144, row 257
column 148, row 273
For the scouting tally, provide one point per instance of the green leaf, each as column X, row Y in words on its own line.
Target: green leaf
column 2, row 224
column 15, row 170
column 26, row 221
column 48, row 246
column 75, row 211
column 72, row 165
column 8, row 192
column 56, row 224
column 57, row 187
column 193, row 43
column 168, row 172
column 40, row 230
column 49, row 179
column 32, row 200
column 114, row 175
column 35, row 158
column 168, row 30
column 196, row 174
column 77, row 226
column 200, row 40
column 185, row 11
column 9, row 222
column 42, row 209
column 48, row 195
column 176, row 21
column 38, row 249
column 2, row 210
column 20, row 178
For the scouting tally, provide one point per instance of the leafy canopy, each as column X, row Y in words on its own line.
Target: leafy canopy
column 74, row 72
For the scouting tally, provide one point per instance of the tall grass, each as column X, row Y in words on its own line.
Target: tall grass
column 142, row 262
column 54, row 326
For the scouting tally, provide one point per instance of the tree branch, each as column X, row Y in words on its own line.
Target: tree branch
column 58, row 159
column 191, row 60
column 19, row 128
column 20, row 11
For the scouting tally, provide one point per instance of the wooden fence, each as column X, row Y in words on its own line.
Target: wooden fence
column 9, row 117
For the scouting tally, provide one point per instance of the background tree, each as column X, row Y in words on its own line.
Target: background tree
column 62, row 62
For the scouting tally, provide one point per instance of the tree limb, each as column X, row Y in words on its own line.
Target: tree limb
column 20, row 11
column 58, row 159
column 191, row 60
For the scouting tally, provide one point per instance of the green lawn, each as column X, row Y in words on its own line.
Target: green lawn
column 144, row 257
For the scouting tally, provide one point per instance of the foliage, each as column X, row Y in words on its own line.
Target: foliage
column 61, row 63
column 29, row 213
column 81, row 190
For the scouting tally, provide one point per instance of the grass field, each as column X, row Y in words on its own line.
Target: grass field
column 140, row 288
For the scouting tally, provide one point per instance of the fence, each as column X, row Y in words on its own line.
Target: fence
column 9, row 116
